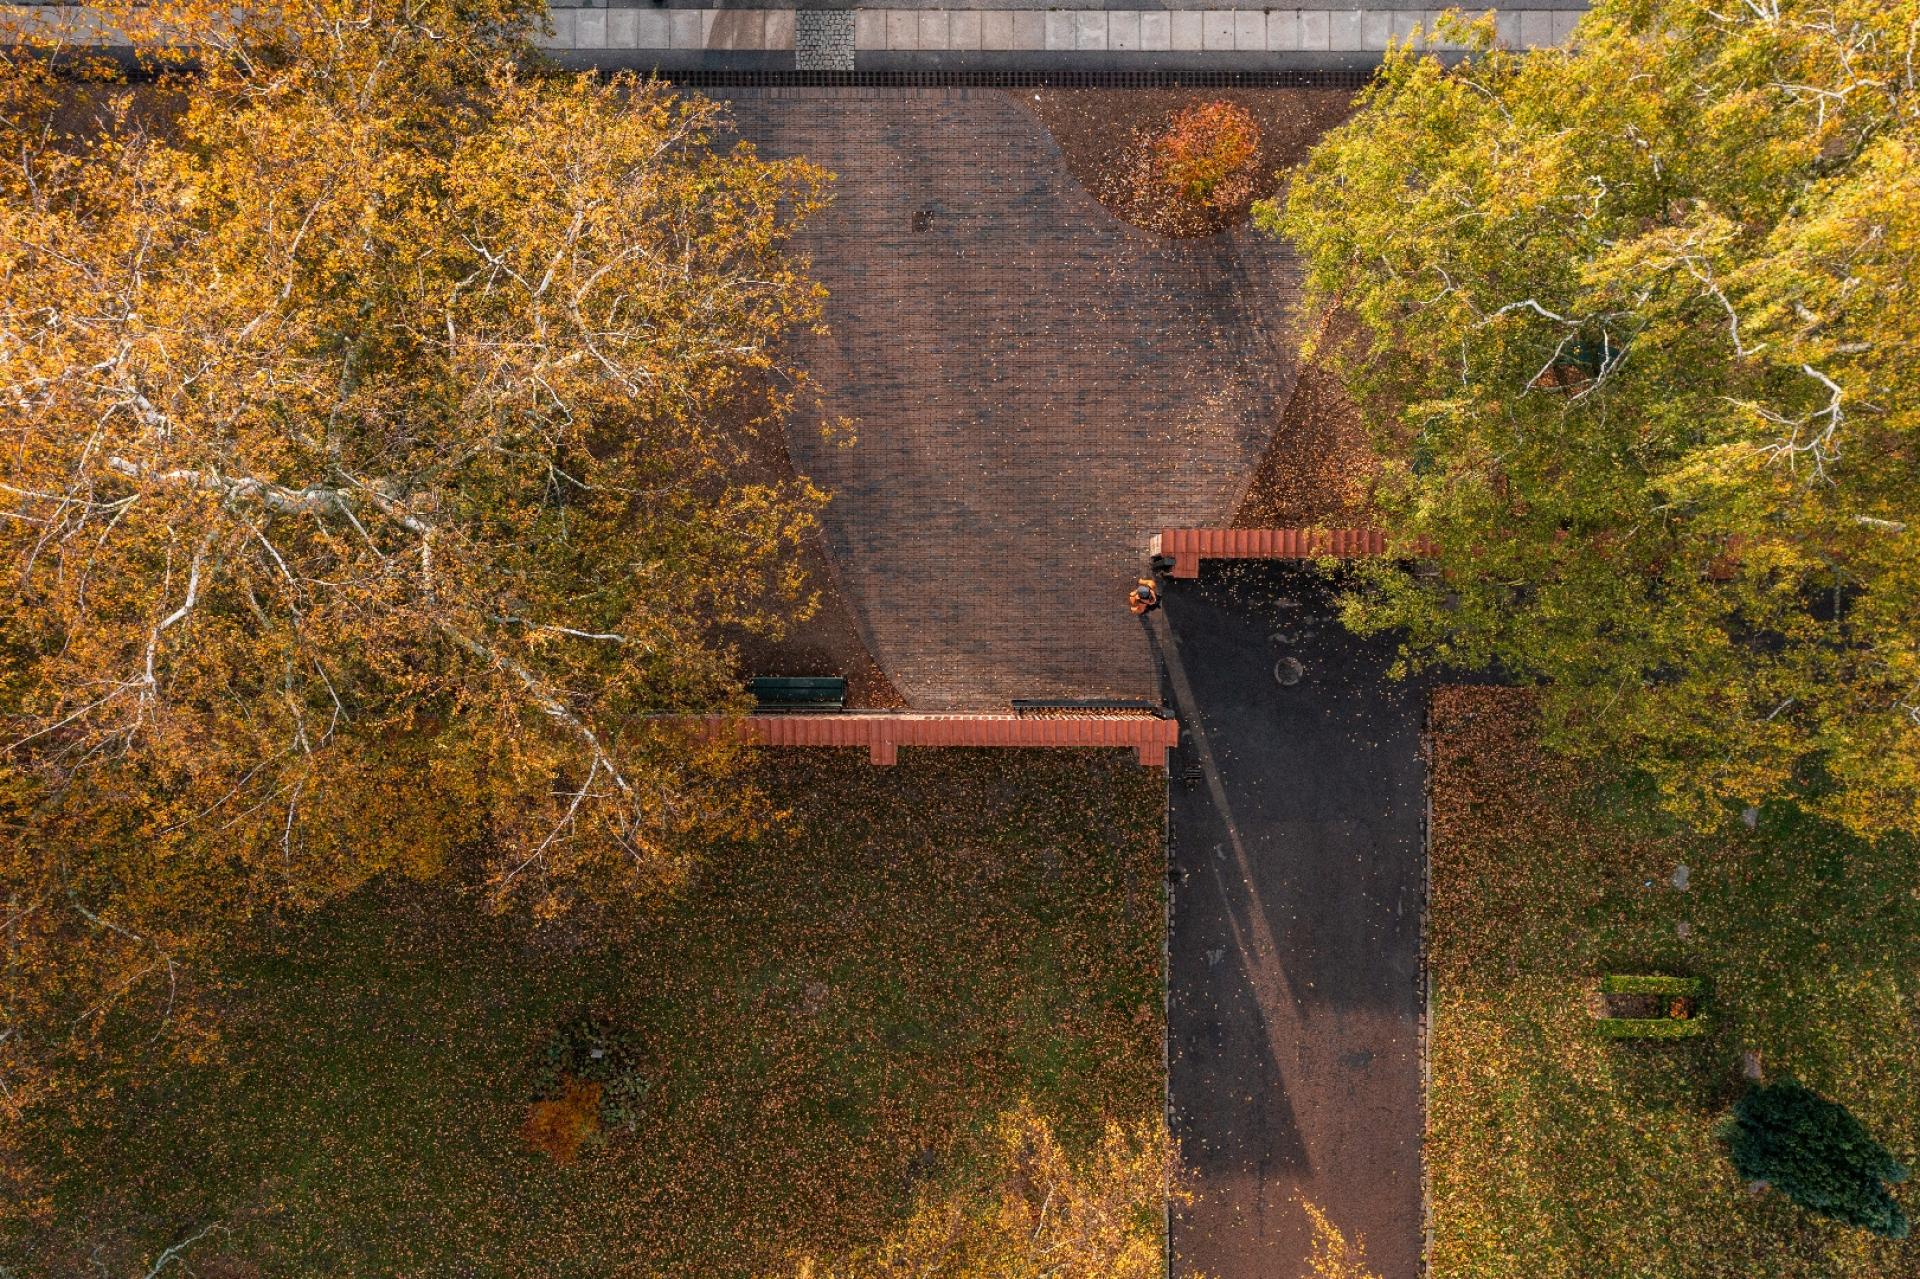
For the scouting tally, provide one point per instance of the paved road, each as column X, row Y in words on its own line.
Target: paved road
column 1294, row 1009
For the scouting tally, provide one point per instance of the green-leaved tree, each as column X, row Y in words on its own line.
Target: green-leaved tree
column 1637, row 335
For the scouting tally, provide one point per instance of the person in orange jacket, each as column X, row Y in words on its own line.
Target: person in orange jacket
column 1143, row 599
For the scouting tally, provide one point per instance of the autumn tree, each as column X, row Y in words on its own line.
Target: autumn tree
column 1205, row 155
column 1034, row 1210
column 378, row 457
column 1636, row 335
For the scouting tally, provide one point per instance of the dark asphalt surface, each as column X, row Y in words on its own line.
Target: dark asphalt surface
column 1294, row 1006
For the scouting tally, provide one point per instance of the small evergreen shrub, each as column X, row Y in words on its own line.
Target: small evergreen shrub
column 1817, row 1154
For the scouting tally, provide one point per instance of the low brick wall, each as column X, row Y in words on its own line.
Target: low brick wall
column 883, row 734
column 1186, row 547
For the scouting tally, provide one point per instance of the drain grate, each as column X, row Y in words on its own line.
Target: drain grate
column 1085, row 708
column 823, row 40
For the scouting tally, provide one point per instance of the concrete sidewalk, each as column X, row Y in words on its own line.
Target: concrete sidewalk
column 1019, row 35
column 1015, row 35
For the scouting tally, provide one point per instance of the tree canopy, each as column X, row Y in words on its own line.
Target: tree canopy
column 379, row 452
column 1635, row 328
column 1028, row 1208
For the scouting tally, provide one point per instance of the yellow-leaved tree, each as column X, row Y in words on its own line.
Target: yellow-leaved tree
column 378, row 416
column 1635, row 326
column 1035, row 1211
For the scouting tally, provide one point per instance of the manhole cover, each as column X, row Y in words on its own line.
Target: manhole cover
column 1289, row 671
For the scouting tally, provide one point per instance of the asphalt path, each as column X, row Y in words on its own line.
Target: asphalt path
column 1294, row 953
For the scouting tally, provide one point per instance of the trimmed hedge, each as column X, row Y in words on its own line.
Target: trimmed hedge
column 1651, row 1027
column 1650, row 985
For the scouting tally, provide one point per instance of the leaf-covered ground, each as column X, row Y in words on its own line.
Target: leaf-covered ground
column 835, row 1011
column 1557, row 1156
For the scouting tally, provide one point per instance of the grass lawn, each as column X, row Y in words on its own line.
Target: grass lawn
column 1554, row 1154
column 834, row 1009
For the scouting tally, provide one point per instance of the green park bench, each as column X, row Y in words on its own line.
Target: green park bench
column 799, row 692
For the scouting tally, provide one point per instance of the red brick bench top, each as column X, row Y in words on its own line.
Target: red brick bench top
column 884, row 733
column 1188, row 546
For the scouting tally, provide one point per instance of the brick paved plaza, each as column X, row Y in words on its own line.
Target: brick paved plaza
column 1037, row 387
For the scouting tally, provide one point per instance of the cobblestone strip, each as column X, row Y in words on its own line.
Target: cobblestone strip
column 823, row 40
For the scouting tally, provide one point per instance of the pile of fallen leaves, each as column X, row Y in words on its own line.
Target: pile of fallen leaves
column 558, row 1127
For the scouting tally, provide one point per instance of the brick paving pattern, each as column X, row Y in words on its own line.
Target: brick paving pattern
column 1037, row 388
